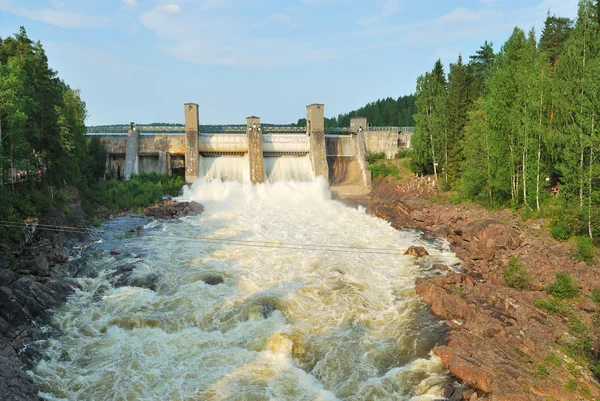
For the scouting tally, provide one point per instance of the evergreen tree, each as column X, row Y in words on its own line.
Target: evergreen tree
column 458, row 104
column 479, row 69
column 554, row 35
column 431, row 131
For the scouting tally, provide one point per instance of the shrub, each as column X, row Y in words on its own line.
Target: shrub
column 371, row 157
column 560, row 229
column 552, row 305
column 565, row 287
column 596, row 295
column 584, row 250
column 404, row 154
column 516, row 275
column 384, row 170
column 542, row 371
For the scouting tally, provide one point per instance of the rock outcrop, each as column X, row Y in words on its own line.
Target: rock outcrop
column 500, row 343
column 174, row 210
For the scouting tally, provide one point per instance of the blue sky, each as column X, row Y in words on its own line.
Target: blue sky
column 140, row 60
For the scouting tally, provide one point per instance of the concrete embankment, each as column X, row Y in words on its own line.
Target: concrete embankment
column 500, row 342
column 35, row 277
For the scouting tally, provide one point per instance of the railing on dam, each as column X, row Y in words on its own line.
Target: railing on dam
column 180, row 129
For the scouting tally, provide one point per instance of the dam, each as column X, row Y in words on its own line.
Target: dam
column 251, row 152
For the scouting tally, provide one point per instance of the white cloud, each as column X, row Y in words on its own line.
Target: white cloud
column 130, row 5
column 58, row 17
column 387, row 8
column 228, row 40
column 172, row 9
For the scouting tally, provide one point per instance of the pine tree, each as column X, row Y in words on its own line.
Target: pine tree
column 554, row 35
column 479, row 69
column 458, row 104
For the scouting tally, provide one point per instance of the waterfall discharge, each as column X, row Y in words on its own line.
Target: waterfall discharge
column 276, row 292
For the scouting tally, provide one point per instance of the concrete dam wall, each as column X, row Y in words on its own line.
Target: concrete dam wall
column 250, row 152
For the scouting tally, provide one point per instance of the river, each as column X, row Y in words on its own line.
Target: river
column 316, row 302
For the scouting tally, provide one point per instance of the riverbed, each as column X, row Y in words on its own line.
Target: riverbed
column 275, row 292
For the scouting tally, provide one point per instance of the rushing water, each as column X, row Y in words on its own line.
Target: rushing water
column 301, row 314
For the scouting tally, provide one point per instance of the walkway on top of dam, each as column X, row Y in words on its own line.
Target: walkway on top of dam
column 227, row 129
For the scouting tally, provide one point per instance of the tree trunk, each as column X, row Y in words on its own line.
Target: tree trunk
column 591, row 161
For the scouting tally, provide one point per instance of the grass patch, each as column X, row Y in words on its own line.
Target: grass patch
column 372, row 157
column 553, row 305
column 516, row 275
column 542, row 371
column 565, row 287
column 595, row 296
column 553, row 361
column 384, row 168
column 571, row 386
column 585, row 250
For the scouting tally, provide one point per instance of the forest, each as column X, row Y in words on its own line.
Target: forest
column 520, row 128
column 388, row 112
column 45, row 156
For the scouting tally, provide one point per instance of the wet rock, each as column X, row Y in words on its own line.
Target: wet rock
column 213, row 280
column 174, row 210
column 7, row 276
column 129, row 279
column 15, row 384
column 441, row 267
column 114, row 252
column 417, row 251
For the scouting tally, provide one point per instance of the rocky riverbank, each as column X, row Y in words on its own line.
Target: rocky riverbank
column 500, row 343
column 35, row 277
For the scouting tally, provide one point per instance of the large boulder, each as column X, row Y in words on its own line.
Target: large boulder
column 174, row 210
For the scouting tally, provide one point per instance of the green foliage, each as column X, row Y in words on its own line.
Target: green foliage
column 552, row 305
column 577, row 327
column 516, row 275
column 565, row 287
column 372, row 157
column 595, row 296
column 553, row 361
column 571, row 386
column 585, row 250
column 542, row 371
column 404, row 154
column 384, row 169
column 139, row 192
column 561, row 229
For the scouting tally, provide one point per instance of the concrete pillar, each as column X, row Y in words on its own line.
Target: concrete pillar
column 163, row 163
column 360, row 150
column 255, row 150
column 315, row 120
column 131, row 152
column 358, row 126
column 192, row 131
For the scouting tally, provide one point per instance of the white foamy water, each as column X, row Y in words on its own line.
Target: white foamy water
column 317, row 303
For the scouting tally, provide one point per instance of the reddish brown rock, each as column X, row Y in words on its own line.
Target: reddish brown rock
column 498, row 337
column 417, row 251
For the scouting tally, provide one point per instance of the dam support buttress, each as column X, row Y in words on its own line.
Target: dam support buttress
column 315, row 126
column 192, row 131
column 131, row 152
column 255, row 149
column 358, row 126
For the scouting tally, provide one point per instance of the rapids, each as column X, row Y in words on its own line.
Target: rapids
column 275, row 292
